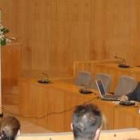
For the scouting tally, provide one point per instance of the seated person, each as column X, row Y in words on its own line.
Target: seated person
column 86, row 122
column 134, row 95
column 9, row 128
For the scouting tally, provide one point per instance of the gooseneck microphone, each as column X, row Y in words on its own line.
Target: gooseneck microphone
column 123, row 60
column 45, row 74
column 123, row 63
column 46, row 80
column 84, row 90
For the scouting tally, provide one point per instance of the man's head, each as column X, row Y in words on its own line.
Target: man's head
column 9, row 128
column 86, row 122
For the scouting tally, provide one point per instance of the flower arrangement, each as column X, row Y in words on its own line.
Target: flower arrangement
column 3, row 38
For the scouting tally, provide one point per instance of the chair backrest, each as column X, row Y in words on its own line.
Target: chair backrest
column 106, row 80
column 84, row 78
column 125, row 85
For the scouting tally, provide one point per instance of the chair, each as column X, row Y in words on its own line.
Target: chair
column 84, row 78
column 106, row 80
column 125, row 85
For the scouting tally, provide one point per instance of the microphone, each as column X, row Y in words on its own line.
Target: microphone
column 46, row 80
column 123, row 63
column 84, row 90
column 47, row 77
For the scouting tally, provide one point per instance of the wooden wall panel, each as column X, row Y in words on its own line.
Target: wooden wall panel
column 55, row 33
column 11, row 65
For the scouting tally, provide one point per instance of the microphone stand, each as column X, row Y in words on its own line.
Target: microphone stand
column 46, row 80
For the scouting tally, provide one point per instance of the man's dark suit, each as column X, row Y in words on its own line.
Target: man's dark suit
column 135, row 95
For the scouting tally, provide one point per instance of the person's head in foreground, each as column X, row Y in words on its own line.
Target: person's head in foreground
column 9, row 128
column 86, row 122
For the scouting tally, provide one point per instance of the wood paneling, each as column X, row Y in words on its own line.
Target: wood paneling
column 131, row 115
column 11, row 63
column 55, row 33
column 55, row 103
column 11, row 70
column 107, row 109
column 50, row 105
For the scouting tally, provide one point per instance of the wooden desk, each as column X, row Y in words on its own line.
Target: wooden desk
column 52, row 105
column 38, row 101
column 126, row 116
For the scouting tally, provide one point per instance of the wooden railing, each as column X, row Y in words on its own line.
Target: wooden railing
column 120, row 134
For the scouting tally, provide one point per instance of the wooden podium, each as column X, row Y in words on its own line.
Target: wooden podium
column 11, row 71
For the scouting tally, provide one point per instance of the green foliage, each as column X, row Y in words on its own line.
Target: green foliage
column 4, row 30
column 3, row 39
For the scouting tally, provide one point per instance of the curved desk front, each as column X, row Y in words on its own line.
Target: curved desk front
column 52, row 105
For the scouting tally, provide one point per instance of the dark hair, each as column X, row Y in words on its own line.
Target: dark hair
column 86, row 120
column 9, row 127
